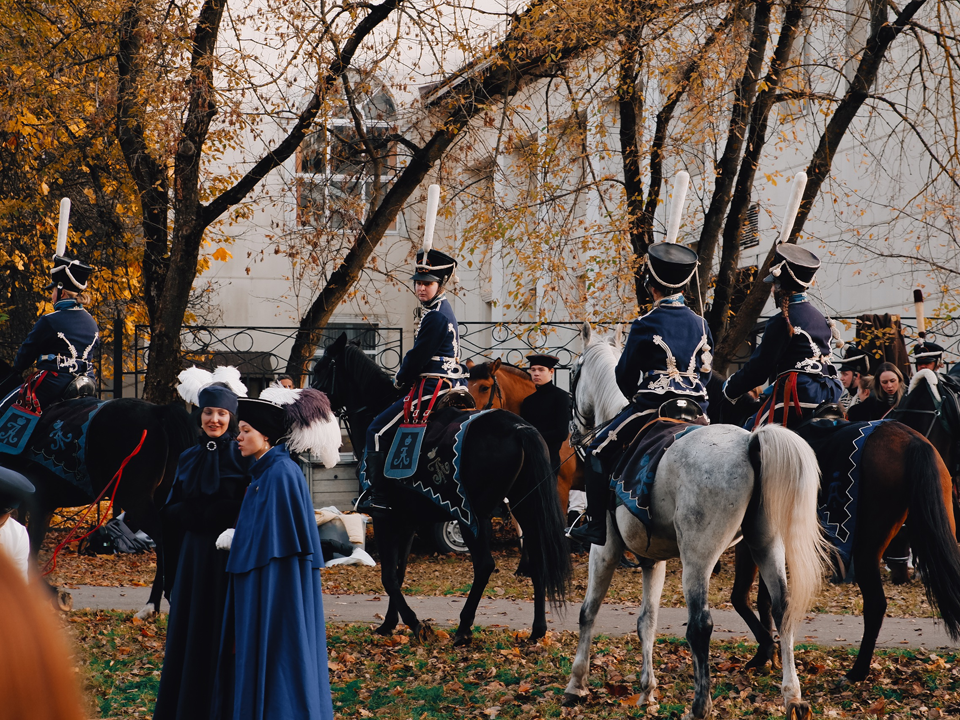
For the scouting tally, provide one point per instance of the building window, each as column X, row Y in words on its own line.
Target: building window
column 337, row 170
column 750, row 233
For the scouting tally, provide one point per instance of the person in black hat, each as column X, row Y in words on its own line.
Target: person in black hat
column 62, row 344
column 434, row 359
column 204, row 501
column 854, row 366
column 548, row 408
column 794, row 353
column 666, row 357
column 14, row 489
column 273, row 655
column 928, row 355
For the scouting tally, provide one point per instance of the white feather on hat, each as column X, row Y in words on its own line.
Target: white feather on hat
column 230, row 376
column 192, row 381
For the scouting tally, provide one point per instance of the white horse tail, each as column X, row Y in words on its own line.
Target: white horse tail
column 790, row 481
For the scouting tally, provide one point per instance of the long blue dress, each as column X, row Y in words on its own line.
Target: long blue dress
column 273, row 656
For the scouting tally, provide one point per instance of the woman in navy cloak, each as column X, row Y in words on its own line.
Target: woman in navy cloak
column 273, row 656
column 204, row 501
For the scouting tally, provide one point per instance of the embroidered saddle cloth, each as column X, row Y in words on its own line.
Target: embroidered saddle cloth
column 632, row 480
column 438, row 473
column 838, row 445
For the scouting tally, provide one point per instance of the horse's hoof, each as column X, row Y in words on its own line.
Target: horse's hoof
column 798, row 710
column 571, row 700
column 900, row 574
column 148, row 611
column 845, row 683
column 64, row 601
column 423, row 633
column 463, row 640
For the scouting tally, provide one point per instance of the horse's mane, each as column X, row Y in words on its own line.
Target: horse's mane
column 368, row 373
column 481, row 371
column 600, row 358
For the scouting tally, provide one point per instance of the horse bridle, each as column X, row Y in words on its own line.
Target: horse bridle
column 495, row 390
column 580, row 439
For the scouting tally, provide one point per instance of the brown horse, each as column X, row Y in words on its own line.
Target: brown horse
column 901, row 474
column 495, row 384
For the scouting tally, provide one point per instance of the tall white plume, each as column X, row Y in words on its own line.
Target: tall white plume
column 430, row 219
column 793, row 207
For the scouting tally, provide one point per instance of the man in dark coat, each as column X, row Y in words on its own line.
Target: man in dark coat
column 548, row 409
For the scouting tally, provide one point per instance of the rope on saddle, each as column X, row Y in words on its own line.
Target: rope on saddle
column 51, row 564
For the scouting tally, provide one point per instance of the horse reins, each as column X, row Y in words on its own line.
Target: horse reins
column 51, row 564
column 495, row 390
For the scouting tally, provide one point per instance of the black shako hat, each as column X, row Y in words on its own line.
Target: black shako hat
column 926, row 351
column 547, row 361
column 793, row 266
column 854, row 358
column 436, row 267
column 14, row 488
column 671, row 265
column 69, row 274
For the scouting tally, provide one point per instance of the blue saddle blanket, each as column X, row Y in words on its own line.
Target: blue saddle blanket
column 838, row 445
column 59, row 442
column 438, row 470
column 632, row 481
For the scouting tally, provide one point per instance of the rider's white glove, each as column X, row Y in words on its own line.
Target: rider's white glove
column 226, row 539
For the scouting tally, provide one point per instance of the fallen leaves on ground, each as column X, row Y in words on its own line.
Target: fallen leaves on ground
column 501, row 676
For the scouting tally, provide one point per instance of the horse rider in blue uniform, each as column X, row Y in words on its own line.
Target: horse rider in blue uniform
column 434, row 360
column 666, row 358
column 62, row 344
column 794, row 353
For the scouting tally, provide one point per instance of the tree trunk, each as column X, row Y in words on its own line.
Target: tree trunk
column 881, row 36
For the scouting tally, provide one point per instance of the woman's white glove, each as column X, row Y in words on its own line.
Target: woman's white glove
column 226, row 539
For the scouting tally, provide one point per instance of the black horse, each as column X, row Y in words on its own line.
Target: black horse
column 77, row 448
column 932, row 408
column 503, row 457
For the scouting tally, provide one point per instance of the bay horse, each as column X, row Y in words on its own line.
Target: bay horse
column 710, row 485
column 495, row 384
column 502, row 457
column 76, row 450
column 901, row 475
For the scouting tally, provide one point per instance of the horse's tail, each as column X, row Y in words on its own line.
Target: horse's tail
column 789, row 482
column 935, row 550
column 548, row 553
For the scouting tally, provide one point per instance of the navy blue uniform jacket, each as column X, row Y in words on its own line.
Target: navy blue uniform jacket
column 436, row 345
column 806, row 352
column 664, row 357
column 72, row 353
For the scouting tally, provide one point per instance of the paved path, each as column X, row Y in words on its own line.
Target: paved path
column 614, row 619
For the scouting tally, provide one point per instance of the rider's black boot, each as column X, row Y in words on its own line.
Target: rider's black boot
column 375, row 496
column 594, row 530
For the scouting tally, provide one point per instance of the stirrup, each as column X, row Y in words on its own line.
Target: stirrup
column 369, row 501
column 575, row 524
column 586, row 535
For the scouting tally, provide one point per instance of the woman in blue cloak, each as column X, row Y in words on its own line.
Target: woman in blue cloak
column 204, row 501
column 273, row 655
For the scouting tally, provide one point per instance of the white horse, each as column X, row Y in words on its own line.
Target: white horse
column 710, row 484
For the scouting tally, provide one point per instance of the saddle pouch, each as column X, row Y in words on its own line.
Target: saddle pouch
column 404, row 454
column 16, row 426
